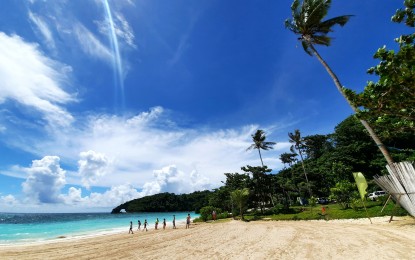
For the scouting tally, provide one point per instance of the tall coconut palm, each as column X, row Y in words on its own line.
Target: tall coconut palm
column 260, row 144
column 307, row 22
column 298, row 144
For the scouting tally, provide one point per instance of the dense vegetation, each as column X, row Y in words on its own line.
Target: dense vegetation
column 166, row 202
column 329, row 161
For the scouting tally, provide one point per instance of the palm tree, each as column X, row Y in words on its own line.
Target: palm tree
column 240, row 197
column 298, row 144
column 259, row 143
column 287, row 158
column 307, row 22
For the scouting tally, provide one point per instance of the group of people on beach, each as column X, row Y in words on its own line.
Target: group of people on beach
column 157, row 223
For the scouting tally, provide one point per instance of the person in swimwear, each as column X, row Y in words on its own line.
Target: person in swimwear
column 131, row 228
column 188, row 221
column 145, row 225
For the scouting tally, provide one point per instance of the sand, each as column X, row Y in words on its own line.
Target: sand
column 334, row 239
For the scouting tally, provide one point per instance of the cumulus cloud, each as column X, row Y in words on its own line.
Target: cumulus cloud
column 111, row 198
column 33, row 80
column 92, row 166
column 170, row 179
column 8, row 200
column 137, row 146
column 45, row 180
column 139, row 155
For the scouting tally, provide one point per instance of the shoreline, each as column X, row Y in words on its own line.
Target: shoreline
column 83, row 235
column 313, row 239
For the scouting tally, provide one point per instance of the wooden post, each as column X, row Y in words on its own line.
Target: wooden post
column 386, row 203
column 394, row 208
column 367, row 213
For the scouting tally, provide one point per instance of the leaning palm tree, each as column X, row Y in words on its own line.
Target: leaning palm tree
column 307, row 22
column 260, row 144
column 298, row 144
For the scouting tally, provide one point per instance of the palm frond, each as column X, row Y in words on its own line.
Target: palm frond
column 321, row 40
column 325, row 26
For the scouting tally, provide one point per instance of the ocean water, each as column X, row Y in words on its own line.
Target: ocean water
column 32, row 227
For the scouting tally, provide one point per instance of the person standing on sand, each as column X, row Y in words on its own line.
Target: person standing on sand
column 174, row 221
column 131, row 228
column 164, row 223
column 214, row 215
column 139, row 224
column 188, row 221
column 157, row 223
column 145, row 225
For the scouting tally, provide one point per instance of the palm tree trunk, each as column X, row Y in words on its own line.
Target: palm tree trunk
column 305, row 173
column 339, row 87
column 260, row 157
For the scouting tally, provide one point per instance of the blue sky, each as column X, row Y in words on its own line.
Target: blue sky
column 105, row 101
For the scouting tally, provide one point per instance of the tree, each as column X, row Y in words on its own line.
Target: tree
column 315, row 145
column 260, row 143
column 344, row 192
column 261, row 185
column 287, row 158
column 240, row 197
column 389, row 104
column 307, row 22
column 298, row 144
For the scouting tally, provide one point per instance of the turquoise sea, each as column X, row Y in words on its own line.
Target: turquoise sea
column 32, row 227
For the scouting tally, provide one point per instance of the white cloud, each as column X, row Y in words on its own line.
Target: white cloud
column 170, row 179
column 92, row 166
column 136, row 156
column 90, row 44
column 137, row 146
column 33, row 80
column 111, row 198
column 45, row 180
column 122, row 29
column 8, row 200
column 43, row 29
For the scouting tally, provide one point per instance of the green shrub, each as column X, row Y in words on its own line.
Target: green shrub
column 206, row 212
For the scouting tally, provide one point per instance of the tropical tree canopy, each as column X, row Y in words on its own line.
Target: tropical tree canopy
column 389, row 104
column 307, row 22
column 259, row 143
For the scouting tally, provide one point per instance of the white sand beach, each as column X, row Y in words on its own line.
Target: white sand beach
column 334, row 239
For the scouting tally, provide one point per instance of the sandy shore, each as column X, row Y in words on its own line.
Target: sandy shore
column 335, row 239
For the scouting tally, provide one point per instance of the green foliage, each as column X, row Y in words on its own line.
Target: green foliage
column 344, row 192
column 166, row 202
column 335, row 211
column 206, row 212
column 260, row 185
column 307, row 22
column 259, row 143
column 312, row 201
column 389, row 104
column 240, row 197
